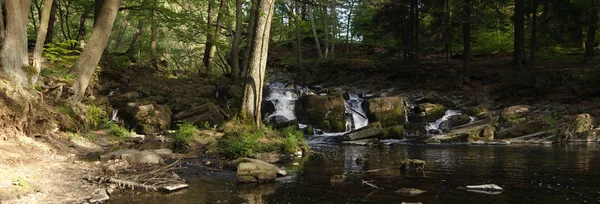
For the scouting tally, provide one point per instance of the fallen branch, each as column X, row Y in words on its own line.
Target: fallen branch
column 369, row 183
column 131, row 184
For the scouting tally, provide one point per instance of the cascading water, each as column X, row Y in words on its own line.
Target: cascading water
column 356, row 117
column 283, row 99
column 434, row 127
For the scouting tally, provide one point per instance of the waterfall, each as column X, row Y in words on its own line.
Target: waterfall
column 283, row 98
column 356, row 117
column 434, row 127
column 114, row 117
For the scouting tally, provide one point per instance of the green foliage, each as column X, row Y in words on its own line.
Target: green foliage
column 61, row 53
column 96, row 118
column 185, row 132
column 117, row 131
column 293, row 139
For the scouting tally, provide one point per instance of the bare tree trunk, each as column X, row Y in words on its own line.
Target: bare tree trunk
column 591, row 35
column 519, row 52
column 534, row 25
column 154, row 34
column 15, row 45
column 235, row 48
column 326, row 28
column 333, row 27
column 131, row 50
column 82, row 28
column 88, row 60
column 298, row 36
column 249, row 37
column 97, row 8
column 211, row 47
column 41, row 37
column 2, row 29
column 51, row 21
column 348, row 33
column 33, row 21
column 119, row 38
column 467, row 38
column 25, row 7
column 209, row 38
column 314, row 30
column 258, row 62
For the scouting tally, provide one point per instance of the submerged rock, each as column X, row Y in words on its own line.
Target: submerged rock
column 372, row 130
column 255, row 171
column 412, row 165
column 389, row 111
column 100, row 196
column 409, row 191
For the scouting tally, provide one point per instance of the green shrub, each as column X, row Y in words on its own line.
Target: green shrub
column 185, row 132
column 293, row 139
column 96, row 118
column 61, row 53
column 118, row 131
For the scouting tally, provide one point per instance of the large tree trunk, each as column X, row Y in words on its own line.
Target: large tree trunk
column 258, row 62
column 235, row 48
column 533, row 43
column 314, row 31
column 326, row 28
column 298, row 36
column 467, row 37
column 86, row 64
column 211, row 47
column 591, row 35
column 249, row 37
column 41, row 37
column 97, row 8
column 519, row 44
column 131, row 50
column 154, row 34
column 51, row 21
column 15, row 44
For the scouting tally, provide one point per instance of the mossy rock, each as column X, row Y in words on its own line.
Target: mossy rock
column 477, row 111
column 515, row 114
column 394, row 132
column 479, row 133
column 429, row 112
column 389, row 111
column 458, row 120
column 578, row 127
column 326, row 112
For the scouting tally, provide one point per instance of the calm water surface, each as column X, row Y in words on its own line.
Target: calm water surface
column 529, row 174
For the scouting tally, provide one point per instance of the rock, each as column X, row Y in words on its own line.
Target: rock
column 148, row 117
column 409, row 191
column 429, row 112
column 578, row 128
column 324, row 112
column 412, row 165
column 136, row 138
column 372, row 130
column 471, row 133
column 338, row 179
column 394, row 132
column 119, row 154
column 478, row 111
column 269, row 157
column 199, row 115
column 490, row 189
column 296, row 164
column 454, row 121
column 279, row 121
column 282, row 172
column 146, row 157
column 267, row 107
column 163, row 152
column 173, row 187
column 514, row 113
column 128, row 96
column 99, row 197
column 389, row 111
column 255, row 171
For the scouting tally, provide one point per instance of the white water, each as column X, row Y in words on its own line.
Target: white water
column 114, row 117
column 358, row 117
column 435, row 126
column 284, row 99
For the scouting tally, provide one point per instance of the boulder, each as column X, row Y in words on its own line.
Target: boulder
column 409, row 191
column 324, row 112
column 269, row 157
column 119, row 154
column 255, row 171
column 578, row 128
column 199, row 115
column 370, row 131
column 279, row 121
column 163, row 152
column 100, row 196
column 145, row 157
column 429, row 112
column 394, row 132
column 149, row 118
column 478, row 111
column 389, row 111
column 454, row 121
column 479, row 132
column 514, row 114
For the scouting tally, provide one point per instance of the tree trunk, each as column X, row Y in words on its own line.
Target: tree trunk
column 25, row 7
column 122, row 28
column 519, row 52
column 235, row 48
column 314, row 31
column 447, row 31
column 348, row 33
column 131, row 50
column 33, row 21
column 15, row 44
column 326, row 29
column 2, row 29
column 211, row 47
column 416, row 34
column 333, row 27
column 258, row 62
column 154, row 34
column 467, row 37
column 298, row 35
column 209, row 37
column 41, row 37
column 51, row 21
column 591, row 35
column 533, row 45
column 82, row 29
column 97, row 8
column 86, row 64
column 249, row 37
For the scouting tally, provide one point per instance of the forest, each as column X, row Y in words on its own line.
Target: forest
column 296, row 101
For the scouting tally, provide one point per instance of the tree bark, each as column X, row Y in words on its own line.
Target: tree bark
column 211, row 47
column 467, row 37
column 235, row 48
column 2, row 29
column 14, row 50
column 249, row 37
column 348, row 33
column 51, row 21
column 533, row 42
column 41, row 37
column 519, row 41
column 326, row 28
column 591, row 35
column 298, row 35
column 119, row 38
column 88, row 60
column 97, row 8
column 333, row 27
column 82, row 29
column 131, row 50
column 258, row 62
column 314, row 31
column 154, row 34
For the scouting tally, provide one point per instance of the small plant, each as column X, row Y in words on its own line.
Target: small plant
column 96, row 117
column 185, row 132
column 205, row 125
column 117, row 131
column 72, row 136
column 293, row 139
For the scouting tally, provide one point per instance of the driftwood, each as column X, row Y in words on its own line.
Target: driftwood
column 370, row 184
column 132, row 184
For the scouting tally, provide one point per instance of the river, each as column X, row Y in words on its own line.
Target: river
column 529, row 174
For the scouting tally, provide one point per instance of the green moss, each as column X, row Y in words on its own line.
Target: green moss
column 310, row 129
column 431, row 112
column 394, row 132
